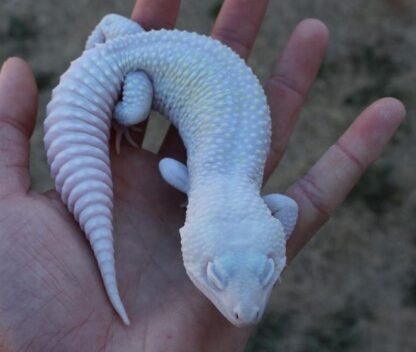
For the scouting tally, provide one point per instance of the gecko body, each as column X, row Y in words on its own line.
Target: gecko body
column 233, row 240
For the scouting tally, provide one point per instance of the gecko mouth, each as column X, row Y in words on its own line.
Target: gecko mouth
column 233, row 317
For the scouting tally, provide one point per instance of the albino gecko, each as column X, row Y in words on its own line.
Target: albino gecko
column 233, row 240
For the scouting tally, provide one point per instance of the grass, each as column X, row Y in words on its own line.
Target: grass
column 20, row 29
column 19, row 33
column 374, row 61
column 215, row 9
column 45, row 80
column 378, row 189
column 267, row 335
column 409, row 299
column 337, row 332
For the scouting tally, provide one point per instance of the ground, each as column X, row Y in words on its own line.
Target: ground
column 354, row 287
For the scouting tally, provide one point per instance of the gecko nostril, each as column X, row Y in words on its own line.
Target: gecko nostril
column 236, row 316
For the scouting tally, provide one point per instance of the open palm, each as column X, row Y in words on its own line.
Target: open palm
column 51, row 295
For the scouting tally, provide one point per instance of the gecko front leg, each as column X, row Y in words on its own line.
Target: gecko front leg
column 175, row 173
column 284, row 209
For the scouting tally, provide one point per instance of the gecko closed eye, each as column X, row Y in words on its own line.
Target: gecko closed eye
column 215, row 277
column 267, row 273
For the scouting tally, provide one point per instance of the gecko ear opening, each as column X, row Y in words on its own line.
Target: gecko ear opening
column 267, row 273
column 215, row 278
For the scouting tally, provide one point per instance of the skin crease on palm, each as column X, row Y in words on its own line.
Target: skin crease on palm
column 51, row 295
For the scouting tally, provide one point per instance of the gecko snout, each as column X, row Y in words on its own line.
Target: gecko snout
column 246, row 315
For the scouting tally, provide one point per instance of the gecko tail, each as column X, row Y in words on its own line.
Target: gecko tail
column 115, row 300
column 77, row 132
column 102, row 244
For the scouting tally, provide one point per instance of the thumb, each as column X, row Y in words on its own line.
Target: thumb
column 18, row 106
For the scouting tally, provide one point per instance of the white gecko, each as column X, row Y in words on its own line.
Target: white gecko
column 233, row 240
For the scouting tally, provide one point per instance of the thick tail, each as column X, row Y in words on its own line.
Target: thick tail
column 77, row 130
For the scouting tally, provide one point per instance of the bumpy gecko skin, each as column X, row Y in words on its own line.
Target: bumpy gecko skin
column 233, row 240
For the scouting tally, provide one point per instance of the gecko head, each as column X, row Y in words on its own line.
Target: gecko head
column 240, row 285
column 239, row 277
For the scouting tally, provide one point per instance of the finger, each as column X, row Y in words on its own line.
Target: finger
column 327, row 183
column 290, row 82
column 18, row 105
column 154, row 14
column 238, row 23
column 236, row 26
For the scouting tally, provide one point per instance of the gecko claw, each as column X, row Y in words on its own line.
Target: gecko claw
column 130, row 139
column 123, row 131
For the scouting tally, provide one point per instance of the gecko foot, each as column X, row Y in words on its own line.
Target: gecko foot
column 123, row 131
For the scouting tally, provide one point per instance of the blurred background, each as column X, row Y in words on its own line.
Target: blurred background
column 353, row 288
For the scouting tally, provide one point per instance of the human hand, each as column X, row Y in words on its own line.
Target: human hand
column 51, row 295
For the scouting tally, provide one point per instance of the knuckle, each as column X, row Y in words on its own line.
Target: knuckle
column 350, row 156
column 281, row 81
column 313, row 194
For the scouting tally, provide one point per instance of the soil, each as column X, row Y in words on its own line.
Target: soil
column 353, row 288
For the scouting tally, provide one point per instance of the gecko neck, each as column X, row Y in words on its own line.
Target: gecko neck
column 222, row 196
